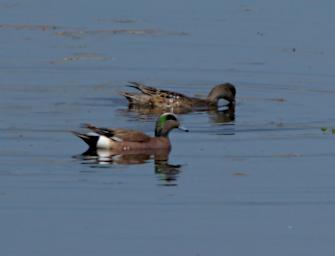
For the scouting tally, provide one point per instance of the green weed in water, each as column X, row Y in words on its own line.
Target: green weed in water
column 324, row 129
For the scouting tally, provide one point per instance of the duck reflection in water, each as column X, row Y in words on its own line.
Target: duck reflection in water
column 218, row 115
column 166, row 172
column 222, row 115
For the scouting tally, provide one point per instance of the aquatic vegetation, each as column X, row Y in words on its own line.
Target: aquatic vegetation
column 328, row 130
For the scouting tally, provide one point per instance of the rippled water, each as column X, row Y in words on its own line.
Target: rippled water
column 256, row 180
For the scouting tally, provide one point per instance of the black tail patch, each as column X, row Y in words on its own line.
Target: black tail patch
column 90, row 140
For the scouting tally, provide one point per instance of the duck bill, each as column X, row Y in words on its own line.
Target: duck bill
column 183, row 128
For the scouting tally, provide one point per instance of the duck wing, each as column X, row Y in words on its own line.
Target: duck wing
column 119, row 134
column 152, row 91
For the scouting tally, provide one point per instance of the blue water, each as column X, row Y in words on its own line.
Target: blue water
column 261, row 184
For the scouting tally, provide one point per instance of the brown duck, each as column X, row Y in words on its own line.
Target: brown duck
column 157, row 98
column 123, row 140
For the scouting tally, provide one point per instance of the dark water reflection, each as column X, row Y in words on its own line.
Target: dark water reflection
column 168, row 173
column 221, row 115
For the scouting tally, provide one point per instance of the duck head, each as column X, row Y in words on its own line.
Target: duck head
column 225, row 91
column 165, row 123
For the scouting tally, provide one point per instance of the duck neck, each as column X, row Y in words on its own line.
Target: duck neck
column 212, row 103
column 161, row 133
column 163, row 129
column 212, row 99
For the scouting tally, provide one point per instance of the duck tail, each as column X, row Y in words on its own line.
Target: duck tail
column 136, row 85
column 144, row 88
column 90, row 140
column 137, row 98
column 129, row 96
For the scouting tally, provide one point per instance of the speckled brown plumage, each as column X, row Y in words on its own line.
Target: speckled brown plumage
column 154, row 97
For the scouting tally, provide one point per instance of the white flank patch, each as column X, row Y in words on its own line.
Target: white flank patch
column 103, row 142
column 103, row 153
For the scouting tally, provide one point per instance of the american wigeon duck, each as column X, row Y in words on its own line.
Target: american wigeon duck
column 122, row 140
column 153, row 97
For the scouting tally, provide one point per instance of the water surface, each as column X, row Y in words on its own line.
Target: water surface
column 261, row 182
